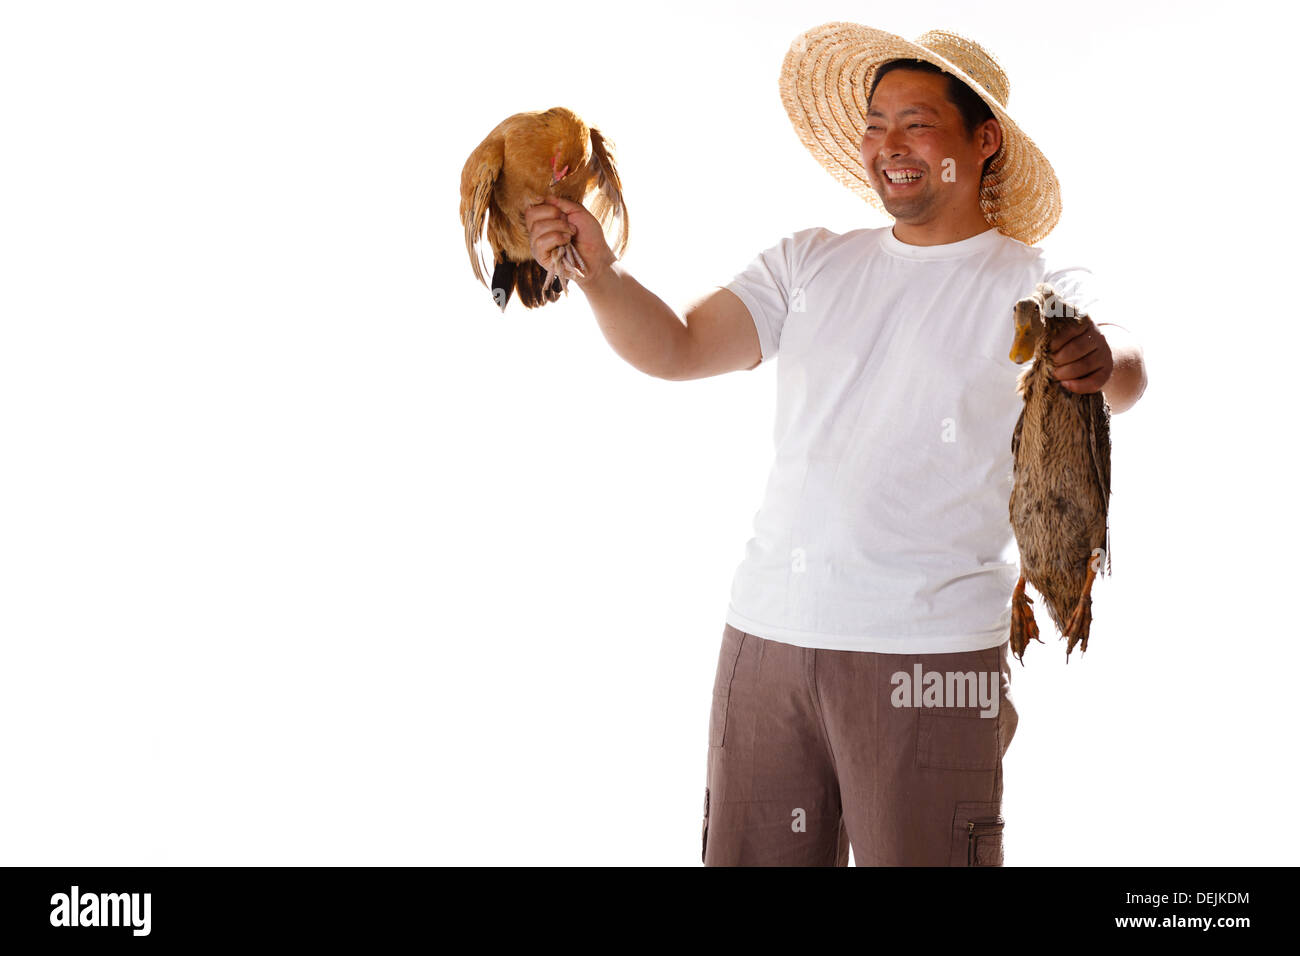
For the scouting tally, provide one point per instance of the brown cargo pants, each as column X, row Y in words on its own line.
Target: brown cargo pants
column 808, row 753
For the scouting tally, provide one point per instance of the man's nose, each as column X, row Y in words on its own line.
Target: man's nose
column 893, row 142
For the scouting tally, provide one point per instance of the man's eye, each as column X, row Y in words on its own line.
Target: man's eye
column 873, row 127
column 915, row 125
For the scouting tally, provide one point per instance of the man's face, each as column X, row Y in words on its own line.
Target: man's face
column 913, row 128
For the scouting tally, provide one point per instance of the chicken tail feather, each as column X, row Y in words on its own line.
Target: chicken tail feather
column 503, row 282
column 530, row 282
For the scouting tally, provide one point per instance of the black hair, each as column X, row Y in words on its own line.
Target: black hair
column 973, row 110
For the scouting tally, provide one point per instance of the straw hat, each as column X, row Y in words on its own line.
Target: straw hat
column 824, row 82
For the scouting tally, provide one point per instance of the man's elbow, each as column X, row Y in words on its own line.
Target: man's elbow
column 1128, row 380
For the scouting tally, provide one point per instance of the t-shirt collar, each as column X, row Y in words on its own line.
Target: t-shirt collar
column 948, row 250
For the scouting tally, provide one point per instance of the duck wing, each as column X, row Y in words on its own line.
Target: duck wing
column 1096, row 421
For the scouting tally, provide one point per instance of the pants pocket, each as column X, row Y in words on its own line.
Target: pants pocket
column 1008, row 716
column 977, row 834
column 966, row 733
column 732, row 641
column 946, row 741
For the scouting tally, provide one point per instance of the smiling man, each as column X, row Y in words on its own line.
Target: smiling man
column 922, row 121
column 914, row 129
column 883, row 547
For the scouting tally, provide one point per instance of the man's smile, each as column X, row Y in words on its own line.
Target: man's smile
column 902, row 176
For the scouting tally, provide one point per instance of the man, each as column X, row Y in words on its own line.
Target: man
column 862, row 688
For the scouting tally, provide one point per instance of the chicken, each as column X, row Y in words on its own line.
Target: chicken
column 1061, row 495
column 526, row 158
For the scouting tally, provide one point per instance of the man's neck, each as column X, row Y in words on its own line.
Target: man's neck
column 938, row 234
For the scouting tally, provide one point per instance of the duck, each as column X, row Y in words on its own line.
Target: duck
column 1060, row 497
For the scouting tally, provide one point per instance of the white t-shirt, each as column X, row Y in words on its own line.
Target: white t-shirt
column 884, row 525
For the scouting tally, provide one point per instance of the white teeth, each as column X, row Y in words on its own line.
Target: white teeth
column 901, row 177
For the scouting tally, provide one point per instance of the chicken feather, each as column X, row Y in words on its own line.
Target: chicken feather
column 527, row 157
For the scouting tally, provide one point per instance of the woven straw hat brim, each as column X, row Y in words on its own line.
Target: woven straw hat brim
column 824, row 82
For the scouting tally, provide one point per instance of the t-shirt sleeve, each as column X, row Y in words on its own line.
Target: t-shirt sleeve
column 1078, row 287
column 764, row 286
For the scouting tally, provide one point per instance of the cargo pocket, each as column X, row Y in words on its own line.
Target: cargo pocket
column 977, row 835
column 732, row 641
column 704, row 837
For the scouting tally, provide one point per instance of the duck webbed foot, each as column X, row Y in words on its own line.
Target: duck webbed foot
column 1023, row 626
column 1080, row 622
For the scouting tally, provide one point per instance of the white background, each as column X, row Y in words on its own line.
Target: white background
column 309, row 555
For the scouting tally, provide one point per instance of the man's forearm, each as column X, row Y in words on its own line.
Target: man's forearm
column 638, row 325
column 1128, row 379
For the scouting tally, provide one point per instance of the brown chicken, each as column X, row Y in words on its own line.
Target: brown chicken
column 1060, row 501
column 527, row 157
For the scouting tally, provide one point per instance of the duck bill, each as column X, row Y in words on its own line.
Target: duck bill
column 1022, row 349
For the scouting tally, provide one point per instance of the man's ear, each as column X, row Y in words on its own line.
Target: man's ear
column 989, row 137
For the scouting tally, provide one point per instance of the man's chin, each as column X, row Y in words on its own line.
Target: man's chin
column 902, row 210
column 897, row 206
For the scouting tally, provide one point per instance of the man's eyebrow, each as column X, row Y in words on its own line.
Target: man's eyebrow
column 907, row 112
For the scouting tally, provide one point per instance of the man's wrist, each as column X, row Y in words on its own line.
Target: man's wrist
column 600, row 277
